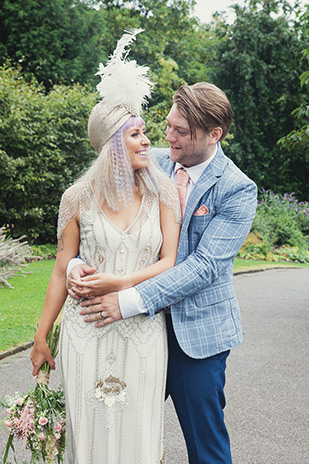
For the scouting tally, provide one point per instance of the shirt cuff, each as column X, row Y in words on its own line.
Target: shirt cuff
column 72, row 263
column 131, row 303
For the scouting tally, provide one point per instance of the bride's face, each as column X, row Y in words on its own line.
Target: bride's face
column 137, row 144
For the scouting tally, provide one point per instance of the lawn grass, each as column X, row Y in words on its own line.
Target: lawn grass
column 20, row 309
column 241, row 265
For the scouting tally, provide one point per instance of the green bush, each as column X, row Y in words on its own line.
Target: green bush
column 279, row 231
column 48, row 251
column 295, row 254
column 282, row 219
column 43, row 147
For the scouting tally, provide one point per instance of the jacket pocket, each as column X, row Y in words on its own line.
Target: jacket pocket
column 213, row 295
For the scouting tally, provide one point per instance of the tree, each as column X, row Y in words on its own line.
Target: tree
column 257, row 65
column 175, row 46
column 43, row 147
column 63, row 41
column 57, row 41
column 300, row 136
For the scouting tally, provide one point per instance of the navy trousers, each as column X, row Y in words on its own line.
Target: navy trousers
column 196, row 387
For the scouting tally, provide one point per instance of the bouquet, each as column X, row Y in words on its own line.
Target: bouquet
column 38, row 417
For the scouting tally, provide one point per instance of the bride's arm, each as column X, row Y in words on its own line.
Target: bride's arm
column 170, row 234
column 101, row 283
column 68, row 245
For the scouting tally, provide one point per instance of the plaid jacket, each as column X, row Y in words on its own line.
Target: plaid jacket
column 199, row 289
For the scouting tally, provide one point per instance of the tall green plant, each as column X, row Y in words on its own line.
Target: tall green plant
column 13, row 255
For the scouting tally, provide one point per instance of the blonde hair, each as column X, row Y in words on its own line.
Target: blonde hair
column 112, row 177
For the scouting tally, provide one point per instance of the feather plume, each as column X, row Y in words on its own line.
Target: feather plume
column 124, row 82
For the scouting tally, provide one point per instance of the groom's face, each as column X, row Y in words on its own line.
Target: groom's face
column 183, row 148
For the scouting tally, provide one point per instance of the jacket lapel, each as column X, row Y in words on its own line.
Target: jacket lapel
column 209, row 177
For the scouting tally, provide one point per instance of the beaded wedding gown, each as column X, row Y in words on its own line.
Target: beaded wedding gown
column 114, row 377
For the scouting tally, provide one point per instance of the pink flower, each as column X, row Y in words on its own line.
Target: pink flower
column 57, row 436
column 9, row 411
column 43, row 420
column 42, row 436
column 20, row 401
column 25, row 424
column 8, row 424
column 58, row 428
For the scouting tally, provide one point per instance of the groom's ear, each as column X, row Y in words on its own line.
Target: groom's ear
column 215, row 135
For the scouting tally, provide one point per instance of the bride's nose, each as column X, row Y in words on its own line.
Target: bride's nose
column 145, row 141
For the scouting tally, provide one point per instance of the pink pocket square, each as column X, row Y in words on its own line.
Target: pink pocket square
column 201, row 211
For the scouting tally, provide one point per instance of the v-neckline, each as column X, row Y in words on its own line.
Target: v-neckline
column 125, row 231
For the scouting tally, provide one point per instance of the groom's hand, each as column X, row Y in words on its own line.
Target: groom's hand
column 102, row 309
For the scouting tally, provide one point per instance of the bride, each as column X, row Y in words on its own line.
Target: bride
column 122, row 217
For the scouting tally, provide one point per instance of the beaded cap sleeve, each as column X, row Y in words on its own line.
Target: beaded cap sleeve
column 75, row 199
column 68, row 208
column 169, row 197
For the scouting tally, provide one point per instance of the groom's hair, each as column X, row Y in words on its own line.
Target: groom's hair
column 205, row 106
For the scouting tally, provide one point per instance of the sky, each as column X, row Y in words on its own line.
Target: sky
column 205, row 8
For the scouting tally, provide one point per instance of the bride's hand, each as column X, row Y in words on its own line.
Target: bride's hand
column 97, row 285
column 39, row 354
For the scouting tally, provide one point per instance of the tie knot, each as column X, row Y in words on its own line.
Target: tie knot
column 182, row 177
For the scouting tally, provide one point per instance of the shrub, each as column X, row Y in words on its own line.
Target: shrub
column 43, row 147
column 295, row 254
column 13, row 255
column 47, row 251
column 279, row 231
column 283, row 219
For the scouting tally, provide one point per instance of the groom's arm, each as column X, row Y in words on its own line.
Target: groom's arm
column 217, row 247
column 216, row 250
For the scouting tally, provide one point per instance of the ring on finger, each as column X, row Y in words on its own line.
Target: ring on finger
column 101, row 314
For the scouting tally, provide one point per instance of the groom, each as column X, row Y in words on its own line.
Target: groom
column 203, row 320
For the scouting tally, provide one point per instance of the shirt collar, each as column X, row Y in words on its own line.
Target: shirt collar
column 196, row 171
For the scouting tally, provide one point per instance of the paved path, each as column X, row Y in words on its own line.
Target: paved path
column 267, row 376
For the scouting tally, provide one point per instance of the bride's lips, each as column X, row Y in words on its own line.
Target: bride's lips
column 142, row 154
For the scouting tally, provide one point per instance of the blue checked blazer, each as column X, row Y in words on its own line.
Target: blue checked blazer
column 199, row 289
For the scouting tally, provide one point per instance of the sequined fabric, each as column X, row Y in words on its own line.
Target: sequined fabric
column 114, row 377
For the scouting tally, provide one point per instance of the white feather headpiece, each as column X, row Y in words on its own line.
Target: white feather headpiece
column 124, row 88
column 124, row 82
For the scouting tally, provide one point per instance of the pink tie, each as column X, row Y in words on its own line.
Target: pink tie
column 182, row 186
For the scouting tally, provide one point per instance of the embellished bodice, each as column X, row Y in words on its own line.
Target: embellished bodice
column 109, row 249
column 116, row 251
